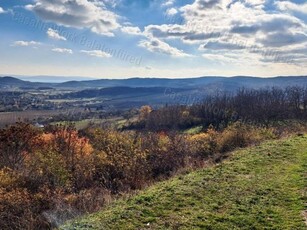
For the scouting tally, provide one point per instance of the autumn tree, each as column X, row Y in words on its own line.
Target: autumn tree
column 144, row 112
column 16, row 143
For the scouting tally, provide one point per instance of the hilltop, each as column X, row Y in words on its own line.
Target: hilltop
column 256, row 188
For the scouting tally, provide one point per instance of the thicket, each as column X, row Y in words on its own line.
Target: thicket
column 48, row 176
column 263, row 106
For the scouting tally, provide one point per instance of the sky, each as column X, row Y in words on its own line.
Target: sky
column 153, row 38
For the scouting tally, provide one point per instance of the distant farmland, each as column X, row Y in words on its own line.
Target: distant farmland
column 7, row 118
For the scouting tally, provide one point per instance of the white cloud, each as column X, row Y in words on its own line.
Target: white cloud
column 216, row 45
column 131, row 30
column 78, row 14
column 2, row 11
column 158, row 46
column 237, row 27
column 255, row 3
column 290, row 6
column 243, row 28
column 54, row 34
column 168, row 3
column 171, row 11
column 96, row 53
column 188, row 33
column 26, row 43
column 62, row 50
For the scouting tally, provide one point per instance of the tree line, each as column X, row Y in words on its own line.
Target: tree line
column 262, row 106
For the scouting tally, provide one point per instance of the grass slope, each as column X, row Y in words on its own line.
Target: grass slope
column 256, row 188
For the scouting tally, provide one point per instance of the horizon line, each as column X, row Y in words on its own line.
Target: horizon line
column 89, row 78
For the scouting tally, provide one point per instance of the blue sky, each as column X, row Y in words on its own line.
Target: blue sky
column 153, row 38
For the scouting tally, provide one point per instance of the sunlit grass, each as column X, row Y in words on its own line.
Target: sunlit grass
column 256, row 188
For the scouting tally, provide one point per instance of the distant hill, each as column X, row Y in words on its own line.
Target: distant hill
column 120, row 91
column 211, row 83
column 129, row 97
column 222, row 83
column 8, row 82
column 144, row 82
column 52, row 79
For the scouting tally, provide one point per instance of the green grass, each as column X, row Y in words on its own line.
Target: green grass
column 80, row 124
column 116, row 122
column 194, row 130
column 256, row 188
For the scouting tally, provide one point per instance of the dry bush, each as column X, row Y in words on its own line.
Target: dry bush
column 16, row 143
column 21, row 210
column 9, row 179
column 237, row 135
column 166, row 153
column 288, row 127
column 119, row 161
column 204, row 144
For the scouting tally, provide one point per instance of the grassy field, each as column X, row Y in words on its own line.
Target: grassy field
column 115, row 122
column 8, row 118
column 261, row 187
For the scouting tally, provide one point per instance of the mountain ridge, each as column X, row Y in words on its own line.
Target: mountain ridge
column 207, row 82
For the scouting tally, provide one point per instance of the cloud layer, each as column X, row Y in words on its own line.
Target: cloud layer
column 77, row 13
column 261, row 31
column 240, row 27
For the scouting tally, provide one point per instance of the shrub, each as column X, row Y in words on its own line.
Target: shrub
column 166, row 153
column 16, row 143
column 203, row 145
column 236, row 135
column 9, row 179
column 18, row 210
column 49, row 168
column 120, row 163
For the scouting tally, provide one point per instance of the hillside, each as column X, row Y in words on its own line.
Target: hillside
column 8, row 82
column 121, row 91
column 256, row 188
column 209, row 83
